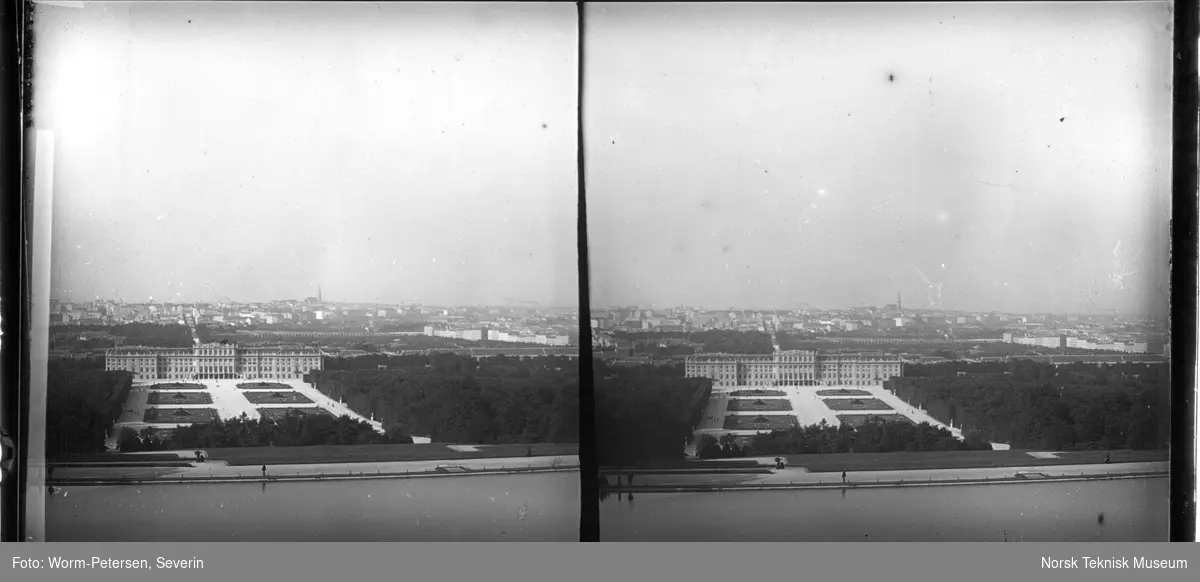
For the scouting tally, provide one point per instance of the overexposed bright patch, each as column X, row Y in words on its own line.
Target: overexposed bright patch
column 943, row 217
column 821, row 192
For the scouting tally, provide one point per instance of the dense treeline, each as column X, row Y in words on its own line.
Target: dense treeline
column 1036, row 405
column 714, row 340
column 734, row 342
column 663, row 352
column 644, row 413
column 451, row 398
column 145, row 334
column 88, row 363
column 874, row 436
column 296, row 429
column 81, row 406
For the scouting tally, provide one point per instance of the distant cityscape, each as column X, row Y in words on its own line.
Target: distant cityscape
column 894, row 323
column 339, row 329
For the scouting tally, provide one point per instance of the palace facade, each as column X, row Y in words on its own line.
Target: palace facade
column 794, row 368
column 213, row 361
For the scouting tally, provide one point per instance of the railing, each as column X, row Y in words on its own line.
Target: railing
column 299, row 476
column 868, row 484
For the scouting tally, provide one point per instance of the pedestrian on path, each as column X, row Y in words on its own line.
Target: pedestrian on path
column 843, row 477
column 264, row 471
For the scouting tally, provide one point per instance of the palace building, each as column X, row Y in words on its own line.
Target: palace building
column 213, row 361
column 794, row 368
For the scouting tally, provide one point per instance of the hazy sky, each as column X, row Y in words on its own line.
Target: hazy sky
column 389, row 152
column 1009, row 156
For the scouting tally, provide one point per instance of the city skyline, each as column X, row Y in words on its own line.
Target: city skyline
column 389, row 152
column 970, row 156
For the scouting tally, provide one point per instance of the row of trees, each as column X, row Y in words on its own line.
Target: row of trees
column 645, row 413
column 1035, row 405
column 296, row 429
column 714, row 340
column 145, row 334
column 81, row 407
column 452, row 398
column 873, row 436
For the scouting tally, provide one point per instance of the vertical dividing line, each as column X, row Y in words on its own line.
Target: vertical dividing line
column 13, row 308
column 1183, row 274
column 589, row 500
column 39, row 335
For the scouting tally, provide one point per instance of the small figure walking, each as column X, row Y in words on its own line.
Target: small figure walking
column 264, row 470
column 529, row 452
column 843, row 477
column 1107, row 458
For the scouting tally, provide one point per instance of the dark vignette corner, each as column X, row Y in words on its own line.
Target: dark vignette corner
column 14, row 17
column 589, row 521
column 1183, row 274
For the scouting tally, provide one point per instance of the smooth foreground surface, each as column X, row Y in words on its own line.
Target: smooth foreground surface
column 1132, row 509
column 536, row 507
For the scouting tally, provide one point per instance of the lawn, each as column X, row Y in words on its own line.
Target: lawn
column 178, row 386
column 278, row 414
column 114, row 458
column 180, row 415
column 834, row 463
column 857, row 420
column 843, row 392
column 289, row 397
column 759, row 393
column 245, row 456
column 856, row 404
column 263, row 386
column 759, row 405
column 179, row 398
column 760, row 422
column 685, row 465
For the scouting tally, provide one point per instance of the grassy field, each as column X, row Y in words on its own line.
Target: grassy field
column 773, row 405
column 759, row 393
column 687, row 465
column 114, row 458
column 857, row 420
column 185, row 416
column 263, row 386
column 760, row 422
column 178, row 386
column 856, row 404
column 179, row 398
column 838, row 462
column 379, row 453
column 843, row 392
column 278, row 414
column 282, row 397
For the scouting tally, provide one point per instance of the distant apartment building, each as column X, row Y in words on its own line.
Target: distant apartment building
column 794, row 368
column 213, row 361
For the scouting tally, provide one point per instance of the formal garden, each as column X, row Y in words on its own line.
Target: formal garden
column 856, row 404
column 858, row 420
column 843, row 392
column 759, row 392
column 179, row 398
column 278, row 414
column 759, row 405
column 263, row 386
column 178, row 386
column 288, row 397
column 180, row 415
column 760, row 422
